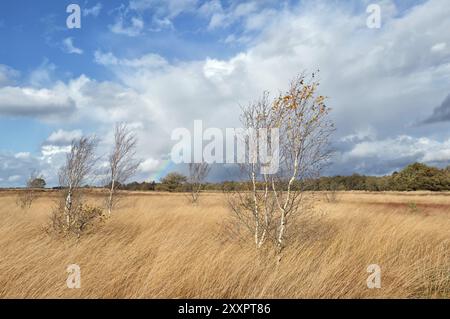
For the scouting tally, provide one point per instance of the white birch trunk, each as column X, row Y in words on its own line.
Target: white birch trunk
column 110, row 201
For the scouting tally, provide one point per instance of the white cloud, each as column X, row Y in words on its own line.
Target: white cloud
column 149, row 165
column 251, row 15
column 15, row 167
column 375, row 156
column 22, row 155
column 258, row 20
column 50, row 150
column 130, row 19
column 165, row 8
column 7, row 75
column 14, row 178
column 70, row 48
column 160, row 24
column 62, row 137
column 25, row 101
column 218, row 20
column 131, row 29
column 210, row 8
column 43, row 75
column 146, row 61
column 79, row 99
column 94, row 11
column 51, row 158
column 439, row 47
column 423, row 149
column 367, row 133
column 214, row 68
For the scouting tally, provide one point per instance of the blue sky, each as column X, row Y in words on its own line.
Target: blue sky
column 35, row 32
column 39, row 28
column 159, row 65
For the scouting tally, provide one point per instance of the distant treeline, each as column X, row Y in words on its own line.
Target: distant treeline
column 413, row 178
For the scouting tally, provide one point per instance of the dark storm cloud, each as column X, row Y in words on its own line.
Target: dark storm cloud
column 370, row 165
column 440, row 113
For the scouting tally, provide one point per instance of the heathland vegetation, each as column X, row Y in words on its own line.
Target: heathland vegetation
column 157, row 245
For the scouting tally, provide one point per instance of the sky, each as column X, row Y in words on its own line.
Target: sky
column 159, row 65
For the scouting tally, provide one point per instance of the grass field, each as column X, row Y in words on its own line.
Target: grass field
column 157, row 245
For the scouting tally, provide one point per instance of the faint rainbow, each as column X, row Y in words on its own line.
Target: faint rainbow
column 162, row 170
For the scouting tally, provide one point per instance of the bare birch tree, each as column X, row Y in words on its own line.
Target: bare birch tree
column 254, row 205
column 122, row 162
column 197, row 175
column 79, row 165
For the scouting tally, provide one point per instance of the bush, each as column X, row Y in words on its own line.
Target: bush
column 28, row 195
column 25, row 198
column 173, row 182
column 38, row 182
column 419, row 176
column 84, row 218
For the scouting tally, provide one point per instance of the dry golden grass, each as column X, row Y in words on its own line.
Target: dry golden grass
column 159, row 246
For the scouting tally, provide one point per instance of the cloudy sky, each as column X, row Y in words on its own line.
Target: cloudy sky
column 159, row 65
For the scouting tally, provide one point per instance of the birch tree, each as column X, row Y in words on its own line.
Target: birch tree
column 273, row 200
column 197, row 175
column 122, row 162
column 302, row 117
column 79, row 165
column 254, row 205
